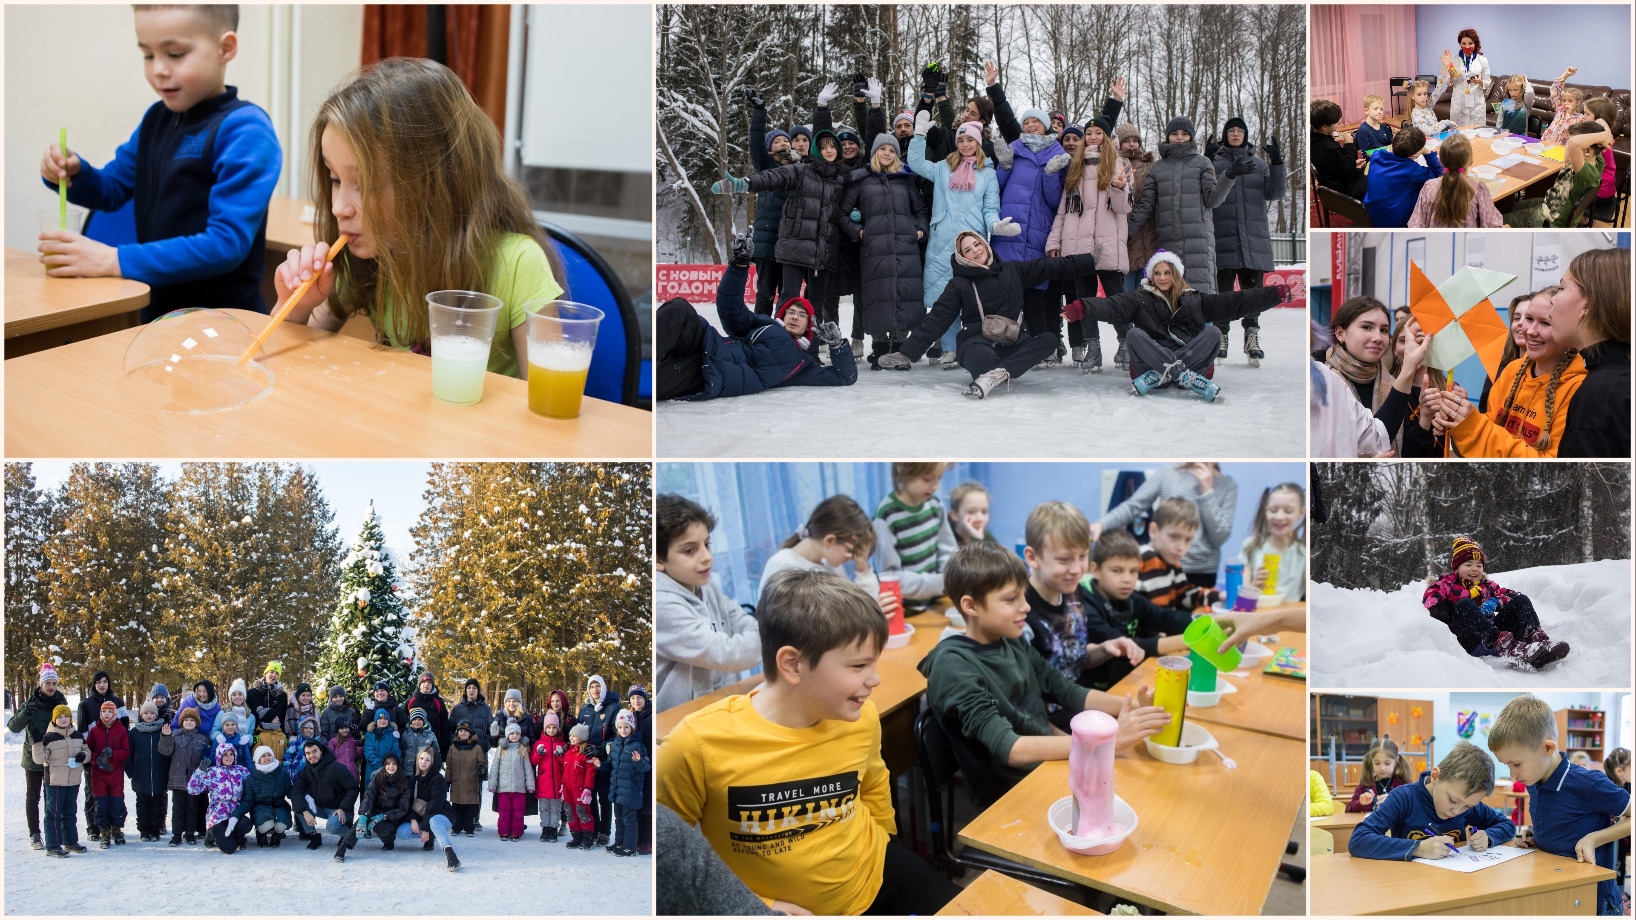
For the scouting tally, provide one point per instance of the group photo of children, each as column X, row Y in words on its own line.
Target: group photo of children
column 278, row 175
column 288, row 664
column 973, row 202
column 1471, row 345
column 1525, row 795
column 1491, row 574
column 1427, row 116
column 863, row 670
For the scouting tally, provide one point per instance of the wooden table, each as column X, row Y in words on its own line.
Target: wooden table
column 44, row 312
column 1208, row 840
column 285, row 229
column 1340, row 824
column 1263, row 703
column 1538, row 883
column 1482, row 154
column 996, row 895
column 900, row 683
column 333, row 396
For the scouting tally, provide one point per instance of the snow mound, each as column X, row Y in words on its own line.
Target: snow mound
column 495, row 877
column 1054, row 412
column 1367, row 638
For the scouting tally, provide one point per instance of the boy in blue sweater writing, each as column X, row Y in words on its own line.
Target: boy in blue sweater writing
column 1577, row 812
column 201, row 167
column 1395, row 178
column 1443, row 809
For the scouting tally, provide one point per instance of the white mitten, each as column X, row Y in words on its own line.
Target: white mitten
column 830, row 91
column 1006, row 227
column 923, row 123
column 873, row 91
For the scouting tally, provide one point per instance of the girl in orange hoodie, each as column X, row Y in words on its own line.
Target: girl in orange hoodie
column 1528, row 407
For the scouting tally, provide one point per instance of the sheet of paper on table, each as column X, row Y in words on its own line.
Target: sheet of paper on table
column 1469, row 860
column 1512, row 159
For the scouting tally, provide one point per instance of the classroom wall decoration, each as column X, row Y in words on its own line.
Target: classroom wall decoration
column 1465, row 724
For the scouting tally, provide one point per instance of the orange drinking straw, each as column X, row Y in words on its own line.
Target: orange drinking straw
column 297, row 294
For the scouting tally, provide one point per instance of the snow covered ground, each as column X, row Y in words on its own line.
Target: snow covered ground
column 140, row 878
column 1056, row 412
column 1365, row 638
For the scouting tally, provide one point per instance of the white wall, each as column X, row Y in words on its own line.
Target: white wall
column 1505, row 251
column 99, row 94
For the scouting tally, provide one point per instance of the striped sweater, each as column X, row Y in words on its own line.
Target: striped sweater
column 914, row 541
column 1167, row 586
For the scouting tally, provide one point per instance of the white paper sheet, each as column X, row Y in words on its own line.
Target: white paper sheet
column 1512, row 159
column 1469, row 860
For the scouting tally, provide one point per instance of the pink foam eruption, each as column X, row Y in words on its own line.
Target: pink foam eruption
column 1090, row 774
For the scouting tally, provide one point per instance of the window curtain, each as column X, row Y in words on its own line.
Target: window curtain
column 1357, row 50
column 474, row 42
column 759, row 505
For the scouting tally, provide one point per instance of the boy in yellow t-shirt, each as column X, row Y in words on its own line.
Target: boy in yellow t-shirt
column 787, row 782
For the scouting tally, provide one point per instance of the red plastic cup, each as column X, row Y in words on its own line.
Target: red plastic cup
column 893, row 585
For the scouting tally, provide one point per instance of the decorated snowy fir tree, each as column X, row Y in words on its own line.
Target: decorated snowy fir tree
column 370, row 636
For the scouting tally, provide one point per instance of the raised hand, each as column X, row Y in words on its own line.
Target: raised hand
column 991, row 74
column 874, row 91
column 754, row 98
column 1119, row 87
column 830, row 91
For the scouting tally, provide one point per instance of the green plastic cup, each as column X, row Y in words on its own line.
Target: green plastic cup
column 1201, row 678
column 1204, row 635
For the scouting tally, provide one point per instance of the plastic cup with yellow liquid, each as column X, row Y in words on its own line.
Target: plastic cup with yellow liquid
column 561, row 340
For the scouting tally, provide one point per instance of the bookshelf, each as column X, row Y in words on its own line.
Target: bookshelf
column 1582, row 730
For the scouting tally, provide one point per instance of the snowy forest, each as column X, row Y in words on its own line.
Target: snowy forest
column 1390, row 524
column 1205, row 62
column 523, row 575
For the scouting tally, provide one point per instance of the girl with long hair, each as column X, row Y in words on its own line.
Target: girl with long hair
column 1455, row 199
column 1092, row 219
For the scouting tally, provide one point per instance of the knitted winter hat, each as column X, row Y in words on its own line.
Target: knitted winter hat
column 148, row 711
column 229, row 719
column 625, row 717
column 513, row 694
column 109, row 707
column 512, row 726
column 771, row 136
column 1101, row 121
column 466, row 724
column 237, row 687
column 61, row 711
column 159, row 690
column 302, row 688
column 418, row 713
column 1180, row 123
column 47, row 672
column 264, row 767
column 847, row 134
column 1466, row 549
column 973, row 129
column 884, row 140
column 1073, row 129
column 1127, row 130
column 800, row 131
column 188, row 713
column 904, row 116
column 550, row 721
column 1044, row 119
column 801, row 302
column 427, row 678
column 1058, row 116
column 337, row 691
column 381, row 715
column 276, row 667
column 1164, row 255
column 579, row 733
column 382, row 685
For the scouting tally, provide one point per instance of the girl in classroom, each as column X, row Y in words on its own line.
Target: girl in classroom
column 1455, row 199
column 968, row 513
column 1469, row 80
column 1519, row 99
column 1421, row 114
column 1279, row 530
column 835, row 532
column 1383, row 770
column 1568, row 104
column 407, row 165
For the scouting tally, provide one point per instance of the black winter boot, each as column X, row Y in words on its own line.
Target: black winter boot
column 341, row 852
column 314, row 841
column 35, row 842
column 119, row 837
column 388, row 841
column 426, row 845
column 453, row 860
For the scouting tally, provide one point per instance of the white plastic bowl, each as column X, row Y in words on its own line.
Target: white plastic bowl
column 1063, row 816
column 1469, row 132
column 1485, row 172
column 1504, row 148
column 1195, row 738
column 1487, row 132
column 1535, row 149
column 1201, row 698
column 1255, row 655
column 899, row 641
column 955, row 619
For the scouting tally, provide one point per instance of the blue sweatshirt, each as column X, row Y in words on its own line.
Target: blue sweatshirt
column 201, row 180
column 1394, row 186
column 1406, row 814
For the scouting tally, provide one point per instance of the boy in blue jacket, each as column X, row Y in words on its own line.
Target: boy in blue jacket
column 201, row 166
column 1443, row 809
column 1395, row 178
column 758, row 353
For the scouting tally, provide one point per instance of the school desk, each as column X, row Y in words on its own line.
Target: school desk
column 1340, row 823
column 996, row 895
column 1505, row 186
column 1208, row 840
column 334, row 396
column 1263, row 703
column 900, row 684
column 285, row 228
column 44, row 312
column 1538, row 884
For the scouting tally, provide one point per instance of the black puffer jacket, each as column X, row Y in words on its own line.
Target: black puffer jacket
column 34, row 723
column 387, row 802
column 1000, row 285
column 895, row 219
column 807, row 234
column 330, row 784
column 1599, row 414
column 1151, row 313
column 91, row 707
column 769, row 205
column 848, row 278
column 1243, row 236
column 435, row 790
column 267, row 704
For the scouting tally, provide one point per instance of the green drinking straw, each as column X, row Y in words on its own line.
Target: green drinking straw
column 62, row 186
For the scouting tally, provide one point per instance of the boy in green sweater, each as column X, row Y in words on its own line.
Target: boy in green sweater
column 989, row 687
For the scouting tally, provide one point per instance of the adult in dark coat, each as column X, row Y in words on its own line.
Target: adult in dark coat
column 437, row 711
column 381, row 698
column 809, row 242
column 474, row 708
column 268, row 701
column 642, row 708
column 1180, row 192
column 90, row 707
column 758, row 353
column 870, row 120
column 892, row 223
column 324, row 789
column 599, row 720
column 31, row 720
column 986, row 285
column 1243, row 236
column 768, row 150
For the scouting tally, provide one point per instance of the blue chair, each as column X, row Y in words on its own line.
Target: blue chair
column 113, row 228
column 618, row 373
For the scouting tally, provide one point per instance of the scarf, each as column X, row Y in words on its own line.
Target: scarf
column 965, row 176
column 1037, row 142
column 1342, row 362
column 1466, row 59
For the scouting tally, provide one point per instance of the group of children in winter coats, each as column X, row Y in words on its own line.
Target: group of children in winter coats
column 959, row 247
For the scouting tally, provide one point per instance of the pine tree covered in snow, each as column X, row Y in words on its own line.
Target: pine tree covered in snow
column 30, row 626
column 536, row 575
column 370, row 637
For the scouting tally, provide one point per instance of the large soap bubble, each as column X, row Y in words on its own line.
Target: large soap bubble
column 188, row 361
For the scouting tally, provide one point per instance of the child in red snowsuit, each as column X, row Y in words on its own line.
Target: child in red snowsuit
column 110, row 746
column 579, row 766
column 548, row 755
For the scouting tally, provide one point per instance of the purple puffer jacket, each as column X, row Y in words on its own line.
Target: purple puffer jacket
column 1449, row 589
column 1030, row 197
column 225, row 785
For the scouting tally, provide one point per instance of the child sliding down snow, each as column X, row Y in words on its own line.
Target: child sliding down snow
column 1488, row 620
